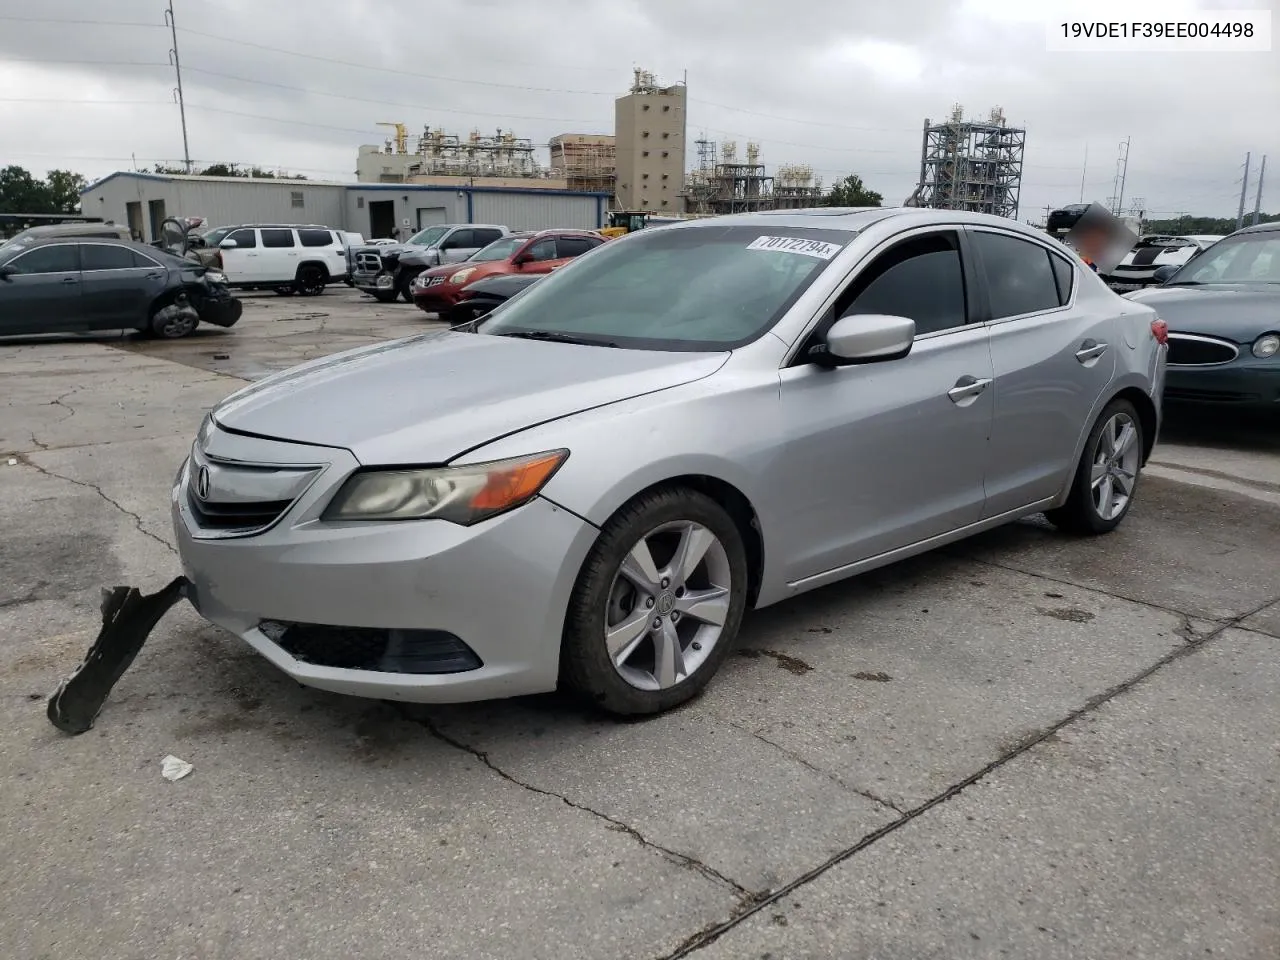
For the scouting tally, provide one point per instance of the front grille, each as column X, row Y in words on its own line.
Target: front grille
column 378, row 650
column 235, row 516
column 1190, row 350
column 434, row 281
column 368, row 262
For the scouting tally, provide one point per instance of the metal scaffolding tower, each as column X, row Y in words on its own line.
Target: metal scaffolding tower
column 971, row 165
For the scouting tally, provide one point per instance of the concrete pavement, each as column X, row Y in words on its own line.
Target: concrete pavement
column 1024, row 746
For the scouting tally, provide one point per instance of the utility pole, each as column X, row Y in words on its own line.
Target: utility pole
column 1124, row 173
column 1257, row 200
column 1244, row 189
column 1083, row 171
column 177, row 67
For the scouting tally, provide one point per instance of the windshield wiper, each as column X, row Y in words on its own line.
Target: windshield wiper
column 555, row 337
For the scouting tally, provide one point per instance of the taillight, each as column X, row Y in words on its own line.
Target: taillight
column 1160, row 330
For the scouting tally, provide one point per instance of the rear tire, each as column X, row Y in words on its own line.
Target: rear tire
column 383, row 296
column 638, row 642
column 311, row 280
column 1106, row 479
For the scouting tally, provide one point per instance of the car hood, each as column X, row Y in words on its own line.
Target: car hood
column 1238, row 312
column 502, row 285
column 430, row 398
column 386, row 249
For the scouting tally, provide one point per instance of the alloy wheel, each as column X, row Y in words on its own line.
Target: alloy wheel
column 668, row 605
column 1115, row 466
column 311, row 282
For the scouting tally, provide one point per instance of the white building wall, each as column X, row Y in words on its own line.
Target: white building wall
column 223, row 201
column 533, row 210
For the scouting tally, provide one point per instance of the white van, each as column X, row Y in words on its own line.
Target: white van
column 285, row 258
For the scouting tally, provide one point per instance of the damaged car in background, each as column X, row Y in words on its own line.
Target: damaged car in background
column 57, row 286
column 1140, row 265
column 590, row 486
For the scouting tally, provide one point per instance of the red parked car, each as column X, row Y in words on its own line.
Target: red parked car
column 529, row 252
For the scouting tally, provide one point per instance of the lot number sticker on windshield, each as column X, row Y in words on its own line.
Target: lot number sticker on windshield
column 810, row 248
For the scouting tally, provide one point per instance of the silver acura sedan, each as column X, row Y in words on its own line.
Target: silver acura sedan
column 589, row 486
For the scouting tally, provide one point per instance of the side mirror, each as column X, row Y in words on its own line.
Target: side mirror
column 866, row 338
column 7, row 271
column 1164, row 273
column 228, row 244
column 522, row 259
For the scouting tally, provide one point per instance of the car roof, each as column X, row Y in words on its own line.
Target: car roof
column 1259, row 228
column 146, row 248
column 857, row 219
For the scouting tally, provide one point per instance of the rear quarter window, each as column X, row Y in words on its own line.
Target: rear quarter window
column 316, row 238
column 277, row 238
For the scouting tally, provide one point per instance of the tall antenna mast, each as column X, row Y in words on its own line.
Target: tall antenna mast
column 177, row 66
column 1257, row 202
column 1244, row 190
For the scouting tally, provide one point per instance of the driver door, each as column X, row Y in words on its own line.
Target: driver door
column 40, row 291
column 544, row 257
column 885, row 455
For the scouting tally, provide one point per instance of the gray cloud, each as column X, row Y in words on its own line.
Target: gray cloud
column 843, row 87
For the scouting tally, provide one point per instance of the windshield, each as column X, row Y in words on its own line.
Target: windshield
column 700, row 288
column 214, row 237
column 1249, row 258
column 499, row 249
column 11, row 248
column 428, row 237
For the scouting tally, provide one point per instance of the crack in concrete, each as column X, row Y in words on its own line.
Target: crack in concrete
column 682, row 859
column 865, row 794
column 137, row 520
column 711, row 933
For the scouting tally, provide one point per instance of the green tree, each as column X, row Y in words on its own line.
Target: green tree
column 20, row 192
column 852, row 192
column 64, row 190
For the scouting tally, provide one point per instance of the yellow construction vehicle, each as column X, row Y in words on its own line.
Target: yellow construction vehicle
column 625, row 221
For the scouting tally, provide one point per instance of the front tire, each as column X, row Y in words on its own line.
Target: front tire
column 657, row 604
column 1106, row 478
column 173, row 320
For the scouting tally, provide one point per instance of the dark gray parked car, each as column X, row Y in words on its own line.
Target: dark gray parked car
column 59, row 286
column 1223, row 311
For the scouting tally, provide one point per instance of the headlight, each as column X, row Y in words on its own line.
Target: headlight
column 462, row 495
column 214, row 277
column 460, row 277
column 1266, row 345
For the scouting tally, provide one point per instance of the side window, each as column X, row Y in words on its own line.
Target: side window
column 315, row 238
column 462, row 240
column 277, row 238
column 920, row 278
column 100, row 256
column 64, row 258
column 1063, row 275
column 544, row 249
column 143, row 262
column 573, row 246
column 245, row 239
column 1020, row 278
column 485, row 237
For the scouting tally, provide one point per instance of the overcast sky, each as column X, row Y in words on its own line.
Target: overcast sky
column 842, row 85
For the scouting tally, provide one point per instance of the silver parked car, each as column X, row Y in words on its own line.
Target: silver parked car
column 592, row 484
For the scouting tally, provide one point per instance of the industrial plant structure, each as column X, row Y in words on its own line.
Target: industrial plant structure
column 436, row 153
column 721, row 183
column 585, row 161
column 649, row 127
column 971, row 165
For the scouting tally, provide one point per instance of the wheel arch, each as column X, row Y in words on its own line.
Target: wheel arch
column 312, row 263
column 736, row 503
column 1131, row 389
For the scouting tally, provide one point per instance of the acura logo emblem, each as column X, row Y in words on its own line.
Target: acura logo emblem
column 202, row 483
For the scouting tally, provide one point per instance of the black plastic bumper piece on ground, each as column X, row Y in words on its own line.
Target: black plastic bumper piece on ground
column 381, row 651
column 127, row 620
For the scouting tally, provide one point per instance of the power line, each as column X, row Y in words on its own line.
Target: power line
column 86, row 23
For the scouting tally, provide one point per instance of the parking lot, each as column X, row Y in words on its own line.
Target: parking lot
column 1026, row 745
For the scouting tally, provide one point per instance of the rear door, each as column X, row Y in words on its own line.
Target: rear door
column 569, row 248
column 240, row 263
column 1052, row 362
column 458, row 245
column 280, row 255
column 118, row 285
column 42, row 295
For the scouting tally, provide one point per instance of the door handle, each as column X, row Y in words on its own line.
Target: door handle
column 70, row 279
column 152, row 276
column 1090, row 350
column 967, row 388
